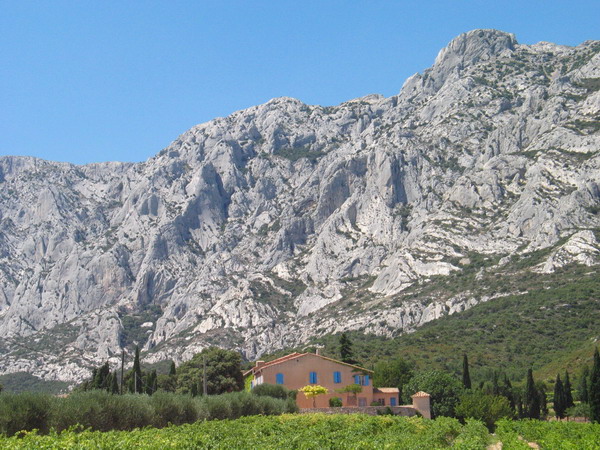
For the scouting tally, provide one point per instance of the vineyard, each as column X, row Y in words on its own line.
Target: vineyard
column 318, row 431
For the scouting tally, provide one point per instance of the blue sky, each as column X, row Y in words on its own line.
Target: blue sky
column 87, row 81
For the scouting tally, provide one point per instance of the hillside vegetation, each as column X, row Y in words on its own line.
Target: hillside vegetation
column 545, row 321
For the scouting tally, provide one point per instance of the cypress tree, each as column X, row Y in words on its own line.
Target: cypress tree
column 114, row 388
column 495, row 386
column 543, row 403
column 346, row 353
column 466, row 377
column 507, row 391
column 568, row 394
column 532, row 401
column 150, row 383
column 122, row 370
column 584, row 393
column 594, row 394
column 559, row 398
column 583, row 385
column 172, row 369
column 137, row 385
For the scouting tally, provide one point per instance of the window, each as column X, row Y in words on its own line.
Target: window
column 393, row 401
column 362, row 380
column 337, row 377
column 279, row 378
column 312, row 379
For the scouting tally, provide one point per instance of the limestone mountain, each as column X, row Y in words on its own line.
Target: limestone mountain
column 288, row 221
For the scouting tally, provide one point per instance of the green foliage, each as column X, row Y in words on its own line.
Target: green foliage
column 551, row 435
column 173, row 409
column 444, row 389
column 568, row 392
column 223, row 372
column 392, row 373
column 466, row 377
column 579, row 410
column 102, row 379
column 560, row 404
column 274, row 390
column 335, row 402
column 310, row 431
column 132, row 332
column 150, row 383
column 26, row 411
column 25, row 382
column 532, row 401
column 582, row 388
column 166, row 383
column 136, row 384
column 346, row 353
column 100, row 410
column 351, row 389
column 485, row 408
column 514, row 332
column 594, row 394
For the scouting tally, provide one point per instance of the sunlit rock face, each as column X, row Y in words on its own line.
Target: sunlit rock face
column 253, row 231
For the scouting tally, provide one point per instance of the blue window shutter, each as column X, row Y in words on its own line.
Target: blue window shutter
column 313, row 378
column 279, row 378
column 337, row 377
column 366, row 380
column 393, row 401
column 356, row 379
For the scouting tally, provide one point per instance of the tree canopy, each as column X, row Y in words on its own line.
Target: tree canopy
column 223, row 372
column 394, row 373
column 445, row 391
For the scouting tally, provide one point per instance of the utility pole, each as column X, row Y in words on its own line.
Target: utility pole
column 204, row 390
column 122, row 366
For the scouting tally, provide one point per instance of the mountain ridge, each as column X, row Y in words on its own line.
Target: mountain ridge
column 256, row 230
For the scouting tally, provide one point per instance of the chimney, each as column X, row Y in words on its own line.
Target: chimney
column 259, row 364
column 317, row 351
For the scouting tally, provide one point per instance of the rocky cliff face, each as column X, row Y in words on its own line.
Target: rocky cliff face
column 286, row 221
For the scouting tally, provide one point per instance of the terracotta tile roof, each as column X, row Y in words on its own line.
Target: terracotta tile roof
column 387, row 390
column 300, row 355
column 362, row 369
column 421, row 394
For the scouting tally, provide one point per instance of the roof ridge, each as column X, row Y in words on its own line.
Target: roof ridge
column 299, row 355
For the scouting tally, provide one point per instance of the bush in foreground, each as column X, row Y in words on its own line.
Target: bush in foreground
column 101, row 411
column 485, row 408
column 306, row 431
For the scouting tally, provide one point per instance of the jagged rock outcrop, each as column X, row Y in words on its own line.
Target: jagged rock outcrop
column 285, row 220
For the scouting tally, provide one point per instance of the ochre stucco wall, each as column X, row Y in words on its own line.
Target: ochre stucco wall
column 296, row 373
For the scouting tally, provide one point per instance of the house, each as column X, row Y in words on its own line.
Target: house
column 297, row 370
